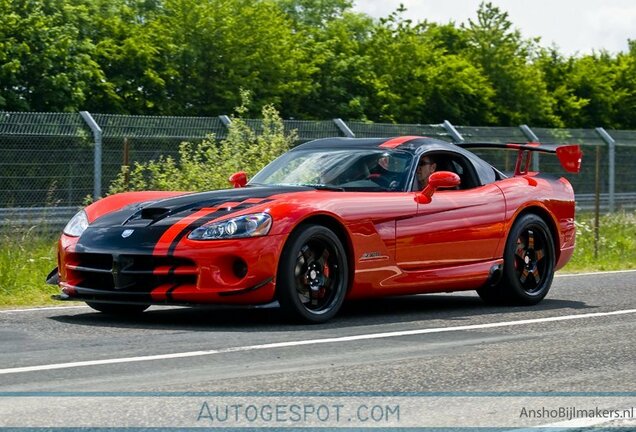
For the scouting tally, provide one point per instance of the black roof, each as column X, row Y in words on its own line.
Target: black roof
column 411, row 144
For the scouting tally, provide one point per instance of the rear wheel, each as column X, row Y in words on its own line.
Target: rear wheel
column 312, row 277
column 118, row 308
column 528, row 269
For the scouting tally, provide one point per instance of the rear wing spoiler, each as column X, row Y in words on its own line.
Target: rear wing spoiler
column 569, row 154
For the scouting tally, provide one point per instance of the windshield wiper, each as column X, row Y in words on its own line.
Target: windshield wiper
column 323, row 187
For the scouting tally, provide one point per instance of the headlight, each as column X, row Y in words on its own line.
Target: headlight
column 76, row 226
column 254, row 225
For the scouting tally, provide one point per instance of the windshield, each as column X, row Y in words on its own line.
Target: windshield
column 342, row 169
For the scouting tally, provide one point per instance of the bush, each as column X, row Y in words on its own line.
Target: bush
column 208, row 165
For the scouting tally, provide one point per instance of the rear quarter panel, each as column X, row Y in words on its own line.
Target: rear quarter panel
column 551, row 198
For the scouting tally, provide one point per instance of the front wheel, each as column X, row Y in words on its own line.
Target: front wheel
column 313, row 275
column 529, row 261
column 118, row 308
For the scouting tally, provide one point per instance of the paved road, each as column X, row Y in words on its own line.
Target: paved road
column 430, row 343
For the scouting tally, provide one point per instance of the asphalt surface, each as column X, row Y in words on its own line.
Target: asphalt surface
column 427, row 343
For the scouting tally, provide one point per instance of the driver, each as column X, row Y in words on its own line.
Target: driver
column 426, row 167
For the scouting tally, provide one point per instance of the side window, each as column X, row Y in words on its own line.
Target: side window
column 432, row 162
column 464, row 170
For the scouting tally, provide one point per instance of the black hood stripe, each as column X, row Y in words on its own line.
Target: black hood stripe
column 104, row 234
column 170, row 290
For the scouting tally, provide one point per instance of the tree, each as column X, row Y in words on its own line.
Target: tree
column 340, row 70
column 557, row 71
column 506, row 58
column 416, row 79
column 215, row 47
column 593, row 78
column 128, row 53
column 314, row 59
column 626, row 87
column 459, row 93
column 316, row 14
column 45, row 63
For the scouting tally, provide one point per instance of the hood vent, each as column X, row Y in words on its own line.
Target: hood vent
column 153, row 213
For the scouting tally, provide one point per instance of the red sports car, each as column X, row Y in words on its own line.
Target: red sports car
column 330, row 220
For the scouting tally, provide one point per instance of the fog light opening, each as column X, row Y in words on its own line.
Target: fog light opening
column 239, row 267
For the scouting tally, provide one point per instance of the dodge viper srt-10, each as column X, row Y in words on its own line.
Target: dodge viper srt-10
column 330, row 220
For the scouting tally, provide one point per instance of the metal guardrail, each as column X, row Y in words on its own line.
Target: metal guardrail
column 622, row 201
column 41, row 218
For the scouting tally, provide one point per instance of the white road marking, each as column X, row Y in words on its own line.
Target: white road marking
column 309, row 342
column 557, row 275
column 36, row 309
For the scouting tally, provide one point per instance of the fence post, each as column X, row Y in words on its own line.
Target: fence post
column 532, row 138
column 597, row 200
column 227, row 121
column 97, row 158
column 611, row 175
column 457, row 137
column 344, row 128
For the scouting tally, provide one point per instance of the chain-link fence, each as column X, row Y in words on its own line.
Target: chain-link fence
column 45, row 160
column 48, row 160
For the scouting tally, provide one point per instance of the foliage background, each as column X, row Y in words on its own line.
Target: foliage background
column 208, row 164
column 312, row 59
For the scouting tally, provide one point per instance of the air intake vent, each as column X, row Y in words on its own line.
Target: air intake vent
column 134, row 273
column 153, row 213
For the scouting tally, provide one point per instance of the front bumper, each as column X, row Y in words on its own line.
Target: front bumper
column 240, row 271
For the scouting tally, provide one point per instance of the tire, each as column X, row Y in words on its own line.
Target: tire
column 313, row 275
column 528, row 269
column 118, row 308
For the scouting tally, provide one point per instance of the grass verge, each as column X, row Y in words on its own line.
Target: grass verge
column 616, row 246
column 26, row 257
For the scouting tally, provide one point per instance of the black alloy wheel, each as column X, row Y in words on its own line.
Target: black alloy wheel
column 312, row 277
column 529, row 261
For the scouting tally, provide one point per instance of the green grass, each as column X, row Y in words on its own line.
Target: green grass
column 616, row 246
column 27, row 257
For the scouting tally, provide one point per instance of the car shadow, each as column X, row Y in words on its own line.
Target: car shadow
column 358, row 313
column 447, row 307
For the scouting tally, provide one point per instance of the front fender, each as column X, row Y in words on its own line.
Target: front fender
column 115, row 202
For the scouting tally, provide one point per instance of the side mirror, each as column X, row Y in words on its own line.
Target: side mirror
column 437, row 180
column 238, row 179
